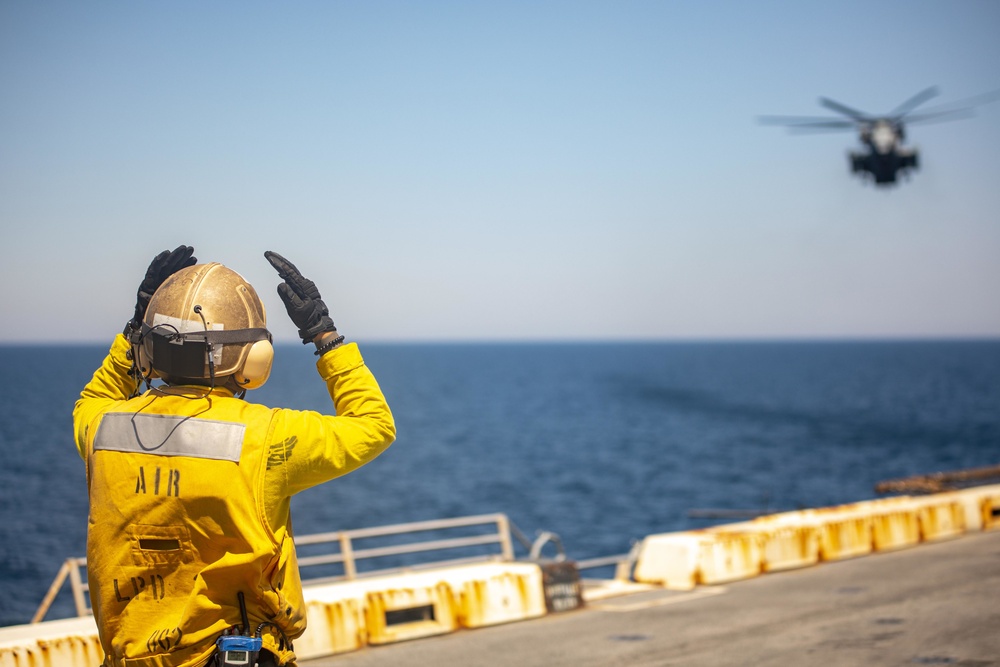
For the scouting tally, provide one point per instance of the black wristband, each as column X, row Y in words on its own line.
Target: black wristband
column 329, row 345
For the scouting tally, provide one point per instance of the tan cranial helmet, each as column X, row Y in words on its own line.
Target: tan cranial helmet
column 206, row 322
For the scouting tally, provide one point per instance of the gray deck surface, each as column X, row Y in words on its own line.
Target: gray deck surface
column 933, row 604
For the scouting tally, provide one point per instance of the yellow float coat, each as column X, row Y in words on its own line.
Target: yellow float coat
column 189, row 504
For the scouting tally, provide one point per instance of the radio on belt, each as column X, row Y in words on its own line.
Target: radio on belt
column 237, row 651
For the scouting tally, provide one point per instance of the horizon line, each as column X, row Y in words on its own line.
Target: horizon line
column 621, row 340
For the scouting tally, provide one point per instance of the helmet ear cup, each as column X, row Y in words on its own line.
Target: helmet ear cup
column 142, row 361
column 257, row 367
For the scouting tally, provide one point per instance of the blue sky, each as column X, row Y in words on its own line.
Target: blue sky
column 506, row 170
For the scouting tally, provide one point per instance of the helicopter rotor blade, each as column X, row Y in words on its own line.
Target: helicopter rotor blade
column 859, row 116
column 806, row 122
column 915, row 101
column 829, row 128
column 958, row 106
column 941, row 116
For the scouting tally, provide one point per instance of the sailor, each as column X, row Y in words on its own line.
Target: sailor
column 190, row 541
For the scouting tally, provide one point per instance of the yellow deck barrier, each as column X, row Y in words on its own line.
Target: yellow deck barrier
column 972, row 507
column 669, row 560
column 347, row 615
column 844, row 531
column 731, row 555
column 335, row 625
column 942, row 516
column 68, row 642
column 410, row 612
column 800, row 538
column 492, row 593
column 788, row 541
column 895, row 522
column 679, row 561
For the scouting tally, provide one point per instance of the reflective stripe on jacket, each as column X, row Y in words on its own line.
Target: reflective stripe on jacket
column 189, row 504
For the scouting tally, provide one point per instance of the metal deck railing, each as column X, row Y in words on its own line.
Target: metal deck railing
column 443, row 539
column 71, row 568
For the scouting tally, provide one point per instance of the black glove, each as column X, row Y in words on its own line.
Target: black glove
column 301, row 299
column 162, row 267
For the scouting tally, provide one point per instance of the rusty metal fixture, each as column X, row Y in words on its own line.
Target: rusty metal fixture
column 939, row 481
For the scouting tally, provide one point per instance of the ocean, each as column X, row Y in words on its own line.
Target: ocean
column 601, row 444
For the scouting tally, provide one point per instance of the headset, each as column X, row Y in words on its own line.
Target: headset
column 191, row 354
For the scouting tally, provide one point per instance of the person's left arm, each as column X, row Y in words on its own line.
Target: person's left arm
column 311, row 447
column 308, row 448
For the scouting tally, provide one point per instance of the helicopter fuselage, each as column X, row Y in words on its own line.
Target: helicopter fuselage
column 885, row 157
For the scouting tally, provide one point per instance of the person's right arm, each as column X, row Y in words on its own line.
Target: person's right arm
column 112, row 383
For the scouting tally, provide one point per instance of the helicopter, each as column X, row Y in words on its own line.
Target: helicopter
column 885, row 157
